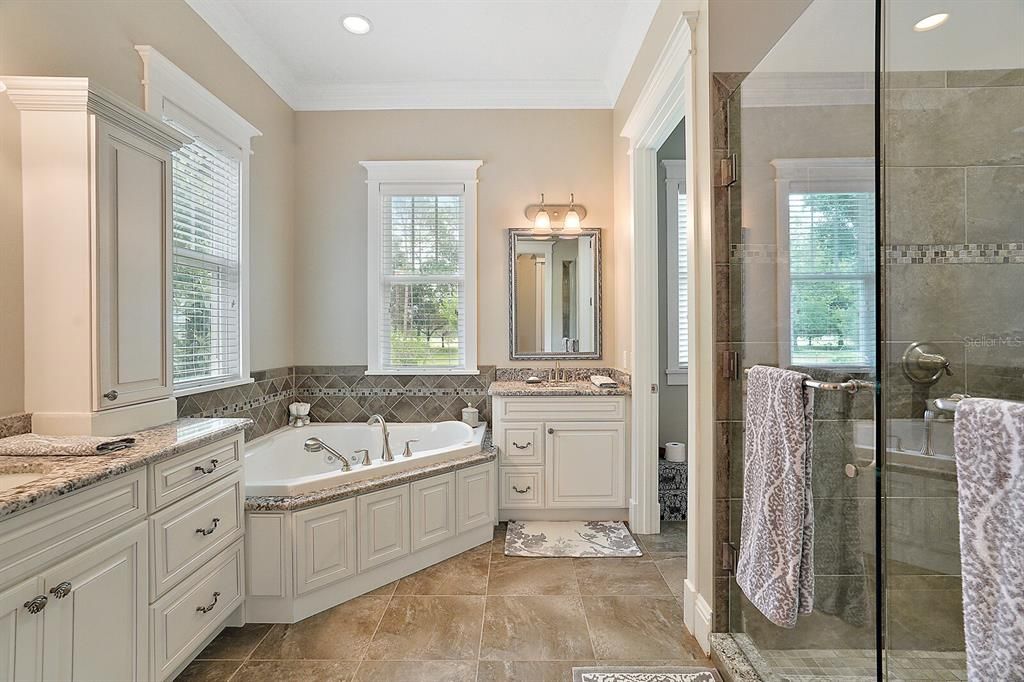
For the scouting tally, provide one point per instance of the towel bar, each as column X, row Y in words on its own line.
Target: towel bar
column 851, row 386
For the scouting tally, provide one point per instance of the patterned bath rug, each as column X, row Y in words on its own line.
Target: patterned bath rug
column 570, row 539
column 641, row 674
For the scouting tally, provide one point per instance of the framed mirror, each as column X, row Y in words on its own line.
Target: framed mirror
column 554, row 295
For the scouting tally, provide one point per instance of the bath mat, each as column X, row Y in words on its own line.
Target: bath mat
column 644, row 674
column 570, row 539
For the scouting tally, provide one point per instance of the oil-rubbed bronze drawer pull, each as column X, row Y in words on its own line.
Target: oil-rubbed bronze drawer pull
column 207, row 531
column 207, row 609
column 213, row 467
column 521, row 492
column 522, row 447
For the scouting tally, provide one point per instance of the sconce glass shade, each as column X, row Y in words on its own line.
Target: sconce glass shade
column 572, row 220
column 542, row 221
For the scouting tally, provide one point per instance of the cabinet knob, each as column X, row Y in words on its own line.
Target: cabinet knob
column 111, row 395
column 551, row 431
column 61, row 590
column 36, row 604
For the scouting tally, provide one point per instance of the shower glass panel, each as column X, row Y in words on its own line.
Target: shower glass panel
column 952, row 128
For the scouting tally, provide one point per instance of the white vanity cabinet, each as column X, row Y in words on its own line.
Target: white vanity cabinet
column 96, row 197
column 562, row 457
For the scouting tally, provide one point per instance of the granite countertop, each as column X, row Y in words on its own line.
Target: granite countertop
column 65, row 475
column 267, row 503
column 547, row 388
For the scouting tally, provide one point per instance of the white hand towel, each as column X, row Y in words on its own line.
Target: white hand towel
column 601, row 381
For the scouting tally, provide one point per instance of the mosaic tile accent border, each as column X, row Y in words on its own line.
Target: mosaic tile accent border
column 265, row 401
column 931, row 254
column 15, row 425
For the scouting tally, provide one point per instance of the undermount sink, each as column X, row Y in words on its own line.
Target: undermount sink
column 8, row 481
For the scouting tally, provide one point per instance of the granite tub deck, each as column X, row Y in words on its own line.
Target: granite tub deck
column 64, row 475
column 577, row 388
column 269, row 503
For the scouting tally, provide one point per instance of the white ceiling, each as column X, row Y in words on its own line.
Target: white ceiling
column 437, row 54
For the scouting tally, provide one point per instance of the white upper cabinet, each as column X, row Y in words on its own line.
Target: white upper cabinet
column 96, row 174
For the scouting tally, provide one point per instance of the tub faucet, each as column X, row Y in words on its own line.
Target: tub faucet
column 385, row 451
column 316, row 445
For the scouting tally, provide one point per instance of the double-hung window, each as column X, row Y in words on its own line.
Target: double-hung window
column 209, row 219
column 422, row 266
column 677, row 222
column 826, row 231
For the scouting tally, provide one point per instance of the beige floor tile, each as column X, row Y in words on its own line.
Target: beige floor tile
column 637, row 628
column 673, row 570
column 465, row 573
column 208, row 671
column 538, row 628
column 428, row 628
column 383, row 590
column 527, row 576
column 528, row 671
column 619, row 576
column 235, row 643
column 341, row 633
column 672, row 538
column 296, row 671
column 416, row 671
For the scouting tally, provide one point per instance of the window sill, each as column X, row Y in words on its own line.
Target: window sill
column 203, row 388
column 421, row 371
column 677, row 377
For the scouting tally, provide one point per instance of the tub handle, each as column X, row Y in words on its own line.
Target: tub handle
column 366, row 457
column 522, row 447
column 408, row 450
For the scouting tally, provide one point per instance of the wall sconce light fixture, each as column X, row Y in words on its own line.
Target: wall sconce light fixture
column 545, row 217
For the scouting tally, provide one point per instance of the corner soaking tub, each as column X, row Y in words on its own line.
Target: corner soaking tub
column 277, row 464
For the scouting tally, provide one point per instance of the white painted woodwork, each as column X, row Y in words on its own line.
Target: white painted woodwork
column 384, row 532
column 179, row 628
column 521, row 487
column 268, row 558
column 433, row 510
column 99, row 631
column 588, row 408
column 325, row 545
column 21, row 633
column 475, row 498
column 586, row 464
column 521, row 443
column 38, row 537
column 178, row 546
column 175, row 478
column 96, row 229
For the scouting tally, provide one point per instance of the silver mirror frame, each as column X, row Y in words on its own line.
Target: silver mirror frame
column 513, row 353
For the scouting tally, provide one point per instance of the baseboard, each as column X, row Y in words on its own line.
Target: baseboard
column 704, row 617
column 112, row 422
column 689, row 605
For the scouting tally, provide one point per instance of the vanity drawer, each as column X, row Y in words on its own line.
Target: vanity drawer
column 184, row 536
column 178, row 622
column 175, row 478
column 521, row 443
column 521, row 487
column 585, row 408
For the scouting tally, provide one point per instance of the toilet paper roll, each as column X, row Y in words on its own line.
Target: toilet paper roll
column 675, row 452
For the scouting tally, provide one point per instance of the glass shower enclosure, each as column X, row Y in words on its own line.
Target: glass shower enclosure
column 875, row 226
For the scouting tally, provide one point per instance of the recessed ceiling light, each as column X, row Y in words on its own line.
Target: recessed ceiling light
column 928, row 23
column 355, row 23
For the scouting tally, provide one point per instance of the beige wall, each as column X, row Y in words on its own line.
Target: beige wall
column 742, row 32
column 524, row 153
column 96, row 39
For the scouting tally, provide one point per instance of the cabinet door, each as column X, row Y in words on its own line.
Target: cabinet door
column 133, row 269
column 586, row 464
column 475, row 497
column 325, row 545
column 383, row 526
column 433, row 510
column 95, row 624
column 21, row 633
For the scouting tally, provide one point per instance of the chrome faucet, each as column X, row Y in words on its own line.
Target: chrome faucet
column 385, row 451
column 316, row 445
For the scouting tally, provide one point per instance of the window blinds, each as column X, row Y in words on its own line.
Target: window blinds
column 205, row 209
column 423, row 282
column 831, row 267
column 682, row 282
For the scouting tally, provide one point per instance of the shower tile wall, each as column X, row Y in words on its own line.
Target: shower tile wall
column 265, row 401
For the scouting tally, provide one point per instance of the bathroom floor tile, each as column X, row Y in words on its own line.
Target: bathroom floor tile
column 208, row 671
column 534, row 671
column 673, row 570
column 235, row 643
column 341, row 633
column 619, row 576
column 637, row 628
column 539, row 628
column 528, row 576
column 672, row 538
column 462, row 574
column 416, row 671
column 296, row 671
column 429, row 628
column 383, row 590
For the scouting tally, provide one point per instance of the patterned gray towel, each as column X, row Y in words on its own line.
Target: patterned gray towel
column 989, row 440
column 776, row 559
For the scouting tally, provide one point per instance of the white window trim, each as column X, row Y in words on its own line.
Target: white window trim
column 675, row 183
column 851, row 174
column 418, row 172
column 169, row 89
